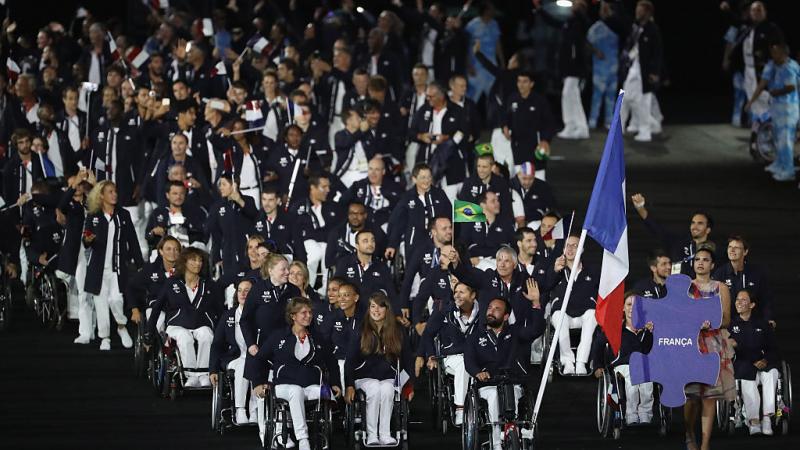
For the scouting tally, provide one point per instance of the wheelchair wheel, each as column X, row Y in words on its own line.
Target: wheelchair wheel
column 350, row 425
column 722, row 419
column 398, row 264
column 786, row 397
column 433, row 392
column 470, row 439
column 511, row 439
column 604, row 409
column 323, row 431
column 664, row 420
column 5, row 307
column 139, row 352
column 762, row 145
column 216, row 405
column 269, row 419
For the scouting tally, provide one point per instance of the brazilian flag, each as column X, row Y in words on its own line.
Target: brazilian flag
column 468, row 212
column 484, row 149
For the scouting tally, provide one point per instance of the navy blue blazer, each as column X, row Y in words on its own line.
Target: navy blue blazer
column 126, row 249
column 224, row 348
column 278, row 353
column 203, row 311
column 376, row 365
column 444, row 323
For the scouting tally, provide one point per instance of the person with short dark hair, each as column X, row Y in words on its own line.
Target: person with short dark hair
column 740, row 273
column 273, row 223
column 228, row 223
column 23, row 168
column 378, row 192
column 660, row 268
column 367, row 271
column 177, row 219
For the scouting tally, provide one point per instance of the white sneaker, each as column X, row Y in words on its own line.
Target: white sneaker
column 568, row 368
column 566, row 134
column 459, row 419
column 643, row 137
column 241, row 416
column 755, row 429
column 192, row 381
column 645, row 418
column 783, row 176
column 632, row 419
column 580, row 369
column 127, row 342
column 105, row 344
column 766, row 426
column 771, row 168
column 303, row 444
column 205, row 381
column 372, row 440
column 388, row 441
column 81, row 340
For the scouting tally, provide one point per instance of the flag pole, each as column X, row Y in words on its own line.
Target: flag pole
column 572, row 276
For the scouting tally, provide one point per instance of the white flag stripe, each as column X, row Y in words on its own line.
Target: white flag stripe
column 615, row 267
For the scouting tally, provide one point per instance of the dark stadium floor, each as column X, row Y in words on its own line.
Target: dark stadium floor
column 54, row 394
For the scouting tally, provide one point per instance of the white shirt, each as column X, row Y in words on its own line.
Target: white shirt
column 428, row 46
column 28, row 176
column 317, row 211
column 359, row 162
column 32, row 115
column 337, row 105
column 74, row 132
column 302, row 349
column 747, row 49
column 192, row 293
column 247, row 177
column 188, row 135
column 373, row 65
column 238, row 332
column 94, row 70
column 108, row 265
column 436, row 127
column 54, row 153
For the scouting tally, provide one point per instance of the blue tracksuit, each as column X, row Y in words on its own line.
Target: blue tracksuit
column 604, row 71
column 784, row 111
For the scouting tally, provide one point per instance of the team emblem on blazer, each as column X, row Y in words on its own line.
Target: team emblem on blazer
column 482, row 341
column 176, row 289
column 427, row 258
column 259, row 225
column 442, row 283
column 154, row 277
column 514, row 106
column 588, row 278
column 222, row 211
column 280, row 344
column 95, row 221
column 231, row 321
column 411, row 204
column 736, row 329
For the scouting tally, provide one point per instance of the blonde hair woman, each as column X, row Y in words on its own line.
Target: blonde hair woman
column 110, row 236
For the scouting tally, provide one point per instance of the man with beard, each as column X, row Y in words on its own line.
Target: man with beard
column 342, row 238
column 660, row 267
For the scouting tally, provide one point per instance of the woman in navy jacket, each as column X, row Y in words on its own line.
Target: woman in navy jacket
column 144, row 289
column 192, row 304
column 263, row 311
column 228, row 351
column 301, row 364
column 375, row 361
column 757, row 361
column 111, row 237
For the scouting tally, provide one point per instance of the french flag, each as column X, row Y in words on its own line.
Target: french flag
column 252, row 111
column 138, row 56
column 219, row 69
column 12, row 69
column 260, row 44
column 606, row 224
column 112, row 47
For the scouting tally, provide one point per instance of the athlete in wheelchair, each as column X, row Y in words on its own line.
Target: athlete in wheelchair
column 143, row 292
column 757, row 363
column 303, row 375
column 496, row 356
column 620, row 403
column 379, row 378
column 226, row 368
column 442, row 350
column 192, row 304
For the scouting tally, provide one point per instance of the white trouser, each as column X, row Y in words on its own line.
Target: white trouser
column 501, row 148
column 572, row 108
column 297, row 396
column 411, row 157
column 454, row 365
column 185, row 338
column 489, row 393
column 380, row 402
column 241, row 386
column 351, row 176
column 761, row 105
column 140, row 225
column 159, row 322
column 768, row 381
column 254, row 193
column 315, row 255
column 110, row 298
column 587, row 324
column 642, row 115
column 23, row 265
column 451, row 190
column 638, row 398
column 336, row 126
column 341, row 372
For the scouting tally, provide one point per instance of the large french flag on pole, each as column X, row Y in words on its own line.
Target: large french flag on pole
column 606, row 224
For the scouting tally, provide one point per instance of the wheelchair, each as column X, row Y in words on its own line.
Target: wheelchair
column 441, row 388
column 762, row 145
column 518, row 429
column 47, row 295
column 222, row 404
column 611, row 407
column 355, row 421
column 166, row 370
column 6, row 298
column 550, row 339
column 731, row 414
column 319, row 417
